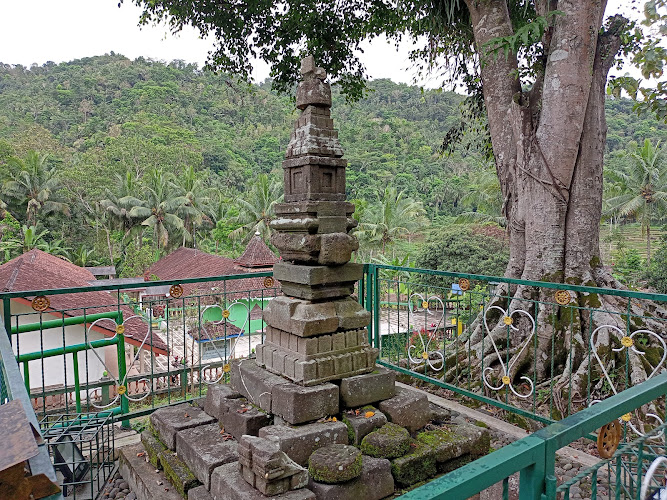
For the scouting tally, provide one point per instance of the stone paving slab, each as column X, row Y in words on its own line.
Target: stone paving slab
column 203, row 449
column 299, row 442
column 142, row 477
column 167, row 421
column 375, row 483
column 228, row 484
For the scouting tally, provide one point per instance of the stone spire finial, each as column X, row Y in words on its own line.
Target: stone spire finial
column 313, row 90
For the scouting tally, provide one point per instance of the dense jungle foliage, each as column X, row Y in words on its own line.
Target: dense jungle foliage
column 107, row 160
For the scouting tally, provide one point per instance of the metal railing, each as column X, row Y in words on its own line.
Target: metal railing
column 534, row 457
column 540, row 350
column 483, row 339
column 128, row 354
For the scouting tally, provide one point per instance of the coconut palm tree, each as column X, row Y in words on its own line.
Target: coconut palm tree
column 32, row 183
column 160, row 208
column 256, row 208
column 639, row 189
column 197, row 212
column 126, row 185
column 392, row 216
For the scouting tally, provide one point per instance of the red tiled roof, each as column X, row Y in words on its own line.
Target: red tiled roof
column 39, row 270
column 190, row 263
column 257, row 254
column 214, row 331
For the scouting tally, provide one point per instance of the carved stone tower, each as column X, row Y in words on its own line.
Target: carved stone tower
column 316, row 332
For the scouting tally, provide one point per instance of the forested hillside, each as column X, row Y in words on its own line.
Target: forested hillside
column 117, row 147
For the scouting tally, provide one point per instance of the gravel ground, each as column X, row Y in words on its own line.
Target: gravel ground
column 117, row 488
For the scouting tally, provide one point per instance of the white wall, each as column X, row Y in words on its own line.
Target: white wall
column 58, row 368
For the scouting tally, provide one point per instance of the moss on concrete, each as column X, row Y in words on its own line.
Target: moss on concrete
column 153, row 447
column 350, row 430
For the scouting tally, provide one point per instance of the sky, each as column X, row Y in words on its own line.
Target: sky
column 37, row 31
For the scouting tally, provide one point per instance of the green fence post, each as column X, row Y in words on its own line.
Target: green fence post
column 26, row 376
column 369, row 299
column 122, row 376
column 104, row 390
column 77, row 389
column 7, row 316
column 184, row 381
column 376, row 307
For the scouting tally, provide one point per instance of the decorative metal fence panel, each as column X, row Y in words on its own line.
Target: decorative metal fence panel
column 126, row 350
column 540, row 350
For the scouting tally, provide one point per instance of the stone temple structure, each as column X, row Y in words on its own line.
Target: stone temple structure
column 311, row 417
column 316, row 332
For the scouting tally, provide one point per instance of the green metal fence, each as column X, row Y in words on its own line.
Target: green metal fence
column 124, row 352
column 534, row 457
column 540, row 350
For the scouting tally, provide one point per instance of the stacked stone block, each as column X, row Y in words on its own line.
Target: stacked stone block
column 316, row 333
column 266, row 468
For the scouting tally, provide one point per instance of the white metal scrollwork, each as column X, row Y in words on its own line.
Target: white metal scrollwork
column 438, row 363
column 506, row 369
column 224, row 319
column 628, row 342
column 121, row 383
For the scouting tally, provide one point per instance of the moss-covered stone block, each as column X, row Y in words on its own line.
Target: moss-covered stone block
column 336, row 463
column 359, row 426
column 178, row 474
column 418, row 465
column 153, row 447
column 449, row 444
column 389, row 441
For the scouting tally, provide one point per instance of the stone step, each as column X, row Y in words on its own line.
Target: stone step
column 178, row 473
column 300, row 441
column 203, row 449
column 167, row 421
column 142, row 476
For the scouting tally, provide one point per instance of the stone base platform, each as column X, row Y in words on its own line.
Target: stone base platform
column 274, row 394
column 142, row 476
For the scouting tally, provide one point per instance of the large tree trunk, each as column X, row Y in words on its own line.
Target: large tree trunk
column 549, row 144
